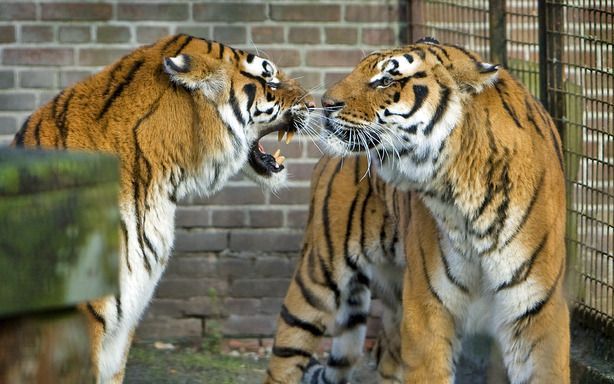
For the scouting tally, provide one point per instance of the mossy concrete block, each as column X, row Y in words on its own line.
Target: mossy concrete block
column 59, row 229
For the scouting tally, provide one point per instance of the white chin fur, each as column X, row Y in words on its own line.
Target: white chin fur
column 274, row 182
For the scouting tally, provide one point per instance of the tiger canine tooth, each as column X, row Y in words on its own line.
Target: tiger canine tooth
column 280, row 135
column 277, row 153
column 289, row 137
column 280, row 160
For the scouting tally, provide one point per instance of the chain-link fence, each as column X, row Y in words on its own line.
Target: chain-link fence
column 563, row 51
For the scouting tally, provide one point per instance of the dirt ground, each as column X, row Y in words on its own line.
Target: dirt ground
column 157, row 363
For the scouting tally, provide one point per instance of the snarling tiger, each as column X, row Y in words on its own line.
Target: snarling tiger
column 183, row 115
column 483, row 230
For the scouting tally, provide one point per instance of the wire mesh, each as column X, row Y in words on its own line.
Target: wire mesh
column 583, row 99
column 579, row 78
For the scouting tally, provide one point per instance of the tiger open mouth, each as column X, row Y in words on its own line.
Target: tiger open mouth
column 264, row 163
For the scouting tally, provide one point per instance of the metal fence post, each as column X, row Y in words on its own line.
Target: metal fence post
column 496, row 31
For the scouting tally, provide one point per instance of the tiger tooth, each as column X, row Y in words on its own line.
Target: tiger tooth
column 280, row 160
column 289, row 137
column 280, row 135
column 277, row 153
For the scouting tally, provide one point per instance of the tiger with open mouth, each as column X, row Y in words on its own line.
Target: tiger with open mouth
column 183, row 115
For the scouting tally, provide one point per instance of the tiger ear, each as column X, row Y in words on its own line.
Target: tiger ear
column 476, row 77
column 196, row 73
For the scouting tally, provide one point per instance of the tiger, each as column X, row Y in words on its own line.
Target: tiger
column 182, row 115
column 483, row 230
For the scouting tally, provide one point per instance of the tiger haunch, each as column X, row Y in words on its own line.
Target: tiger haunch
column 183, row 115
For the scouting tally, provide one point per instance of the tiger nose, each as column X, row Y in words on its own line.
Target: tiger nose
column 330, row 105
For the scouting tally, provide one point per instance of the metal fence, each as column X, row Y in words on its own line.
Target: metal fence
column 563, row 51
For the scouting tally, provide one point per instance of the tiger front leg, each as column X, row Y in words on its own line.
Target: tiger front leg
column 302, row 322
column 349, row 333
column 429, row 339
column 387, row 351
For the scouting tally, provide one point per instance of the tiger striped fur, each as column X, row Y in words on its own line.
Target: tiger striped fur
column 484, row 243
column 183, row 115
column 352, row 248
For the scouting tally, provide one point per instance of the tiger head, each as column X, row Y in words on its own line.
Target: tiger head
column 253, row 98
column 399, row 105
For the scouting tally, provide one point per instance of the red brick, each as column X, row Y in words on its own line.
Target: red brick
column 148, row 34
column 378, row 36
column 331, row 78
column 188, row 266
column 8, row 125
column 17, row 11
column 271, row 305
column 187, row 288
column 202, row 31
column 198, row 241
column 305, row 12
column 304, row 35
column 283, row 57
column 227, row 218
column 241, row 345
column 76, row 11
column 36, row 33
column 241, row 306
column 192, row 217
column 300, row 170
column 375, row 13
column 266, row 218
column 101, row 56
column 259, row 287
column 250, row 325
column 68, row 78
column 234, row 195
column 341, row 35
column 164, row 328
column 297, row 218
column 7, row 34
column 265, row 241
column 74, row 34
column 308, row 79
column 274, row 267
column 230, row 34
column 267, row 34
column 7, row 79
column 229, row 12
column 333, row 58
column 236, row 267
column 112, row 34
column 38, row 56
column 17, row 101
column 158, row 12
column 292, row 195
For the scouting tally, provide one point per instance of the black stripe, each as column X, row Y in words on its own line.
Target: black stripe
column 122, row 224
column 258, row 79
column 236, row 55
column 287, row 352
column 208, row 46
column 182, row 46
column 111, row 78
column 536, row 309
column 222, row 47
column 37, row 132
column 308, row 295
column 431, row 50
column 329, row 282
column 471, row 56
column 169, row 42
column 451, row 277
column 118, row 307
column 527, row 212
column 20, row 135
column 338, row 362
column 236, row 109
column 355, row 320
column 250, row 92
column 524, row 270
column 149, row 245
column 348, row 232
column 531, row 116
column 326, row 215
column 97, row 316
column 120, row 88
column 506, row 106
column 557, row 149
column 427, row 277
column 62, row 119
column 295, row 322
column 442, row 105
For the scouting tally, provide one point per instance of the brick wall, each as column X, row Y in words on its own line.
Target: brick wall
column 235, row 252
